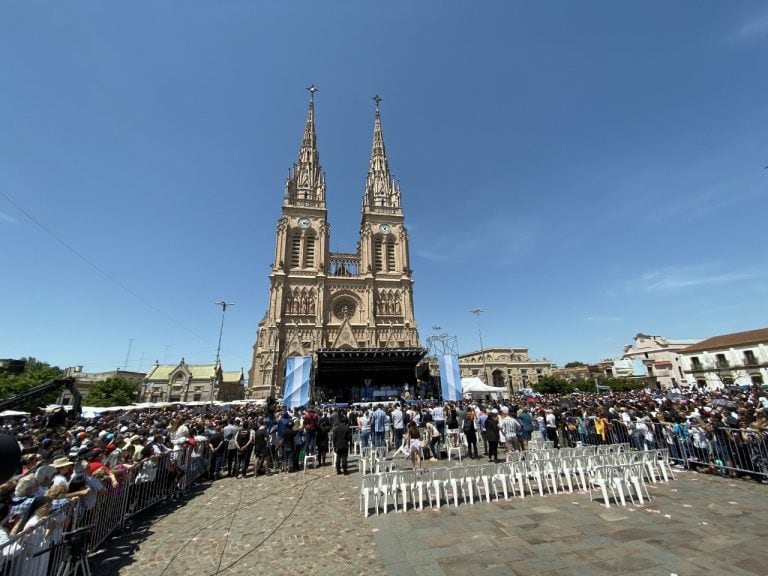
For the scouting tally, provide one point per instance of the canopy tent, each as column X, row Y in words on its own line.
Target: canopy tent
column 11, row 413
column 472, row 385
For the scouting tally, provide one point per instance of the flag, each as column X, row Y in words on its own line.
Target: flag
column 450, row 377
column 297, row 372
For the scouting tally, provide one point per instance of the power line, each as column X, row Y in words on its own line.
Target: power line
column 98, row 269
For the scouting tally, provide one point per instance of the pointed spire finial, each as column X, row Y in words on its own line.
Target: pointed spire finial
column 377, row 99
column 312, row 89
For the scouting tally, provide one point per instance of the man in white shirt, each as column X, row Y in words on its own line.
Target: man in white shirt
column 398, row 425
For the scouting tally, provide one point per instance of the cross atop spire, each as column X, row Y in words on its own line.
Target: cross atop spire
column 306, row 183
column 381, row 191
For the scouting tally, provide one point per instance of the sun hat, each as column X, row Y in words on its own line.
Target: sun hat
column 62, row 462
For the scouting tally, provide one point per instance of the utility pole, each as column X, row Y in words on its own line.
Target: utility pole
column 128, row 355
column 224, row 305
column 477, row 312
column 215, row 382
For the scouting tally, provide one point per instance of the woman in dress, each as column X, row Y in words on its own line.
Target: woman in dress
column 414, row 445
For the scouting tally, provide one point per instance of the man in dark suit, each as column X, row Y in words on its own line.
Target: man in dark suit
column 342, row 436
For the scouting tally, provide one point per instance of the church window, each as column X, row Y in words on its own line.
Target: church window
column 390, row 256
column 309, row 250
column 296, row 250
column 377, row 260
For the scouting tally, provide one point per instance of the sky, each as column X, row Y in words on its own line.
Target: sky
column 580, row 171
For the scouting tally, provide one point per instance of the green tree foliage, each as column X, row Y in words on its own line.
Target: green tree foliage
column 114, row 391
column 553, row 385
column 622, row 384
column 34, row 374
column 574, row 364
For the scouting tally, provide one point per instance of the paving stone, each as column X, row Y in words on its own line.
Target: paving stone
column 310, row 522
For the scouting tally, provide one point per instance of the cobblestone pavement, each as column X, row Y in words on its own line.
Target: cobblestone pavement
column 310, row 522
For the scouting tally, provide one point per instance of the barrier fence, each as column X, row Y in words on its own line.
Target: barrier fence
column 729, row 451
column 59, row 543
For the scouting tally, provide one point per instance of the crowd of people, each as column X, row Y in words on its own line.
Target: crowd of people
column 719, row 431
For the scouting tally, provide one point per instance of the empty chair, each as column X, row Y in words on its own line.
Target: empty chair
column 368, row 489
column 484, row 481
column 452, row 478
column 310, row 459
column 599, row 477
column 533, row 470
column 662, row 460
column 406, row 481
column 386, row 487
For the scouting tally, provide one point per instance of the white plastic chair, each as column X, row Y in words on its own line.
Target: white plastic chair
column 387, row 486
column 368, row 489
column 310, row 459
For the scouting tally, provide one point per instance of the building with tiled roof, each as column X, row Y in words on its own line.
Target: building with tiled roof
column 736, row 359
column 660, row 357
column 184, row 382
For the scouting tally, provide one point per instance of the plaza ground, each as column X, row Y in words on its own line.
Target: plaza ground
column 310, row 523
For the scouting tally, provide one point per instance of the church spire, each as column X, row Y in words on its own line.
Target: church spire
column 306, row 183
column 381, row 190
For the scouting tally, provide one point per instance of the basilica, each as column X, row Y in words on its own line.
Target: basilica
column 352, row 312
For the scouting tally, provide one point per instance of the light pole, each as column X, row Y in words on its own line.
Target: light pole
column 477, row 312
column 224, row 305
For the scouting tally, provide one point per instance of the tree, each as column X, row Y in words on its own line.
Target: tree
column 622, row 384
column 34, row 374
column 553, row 385
column 574, row 364
column 115, row 391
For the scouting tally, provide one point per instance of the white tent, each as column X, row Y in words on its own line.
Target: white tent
column 470, row 386
column 10, row 413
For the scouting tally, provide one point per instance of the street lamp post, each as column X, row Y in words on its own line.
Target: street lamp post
column 224, row 305
column 477, row 312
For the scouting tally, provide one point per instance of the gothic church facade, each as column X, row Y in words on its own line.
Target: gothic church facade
column 351, row 311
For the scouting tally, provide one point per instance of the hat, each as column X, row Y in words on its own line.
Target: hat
column 123, row 429
column 62, row 462
column 504, row 410
column 494, row 411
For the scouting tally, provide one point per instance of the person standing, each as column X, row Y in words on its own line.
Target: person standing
column 438, row 417
column 492, row 435
column 218, row 447
column 526, row 421
column 260, row 438
column 413, row 437
column 398, row 426
column 364, row 425
column 244, row 441
column 342, row 436
column 378, row 426
column 230, row 431
column 310, row 431
column 470, row 433
column 551, row 424
column 510, row 427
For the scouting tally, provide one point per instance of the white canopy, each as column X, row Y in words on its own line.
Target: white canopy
column 472, row 385
column 8, row 413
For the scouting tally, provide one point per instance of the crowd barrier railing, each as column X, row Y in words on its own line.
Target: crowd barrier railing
column 79, row 526
column 728, row 451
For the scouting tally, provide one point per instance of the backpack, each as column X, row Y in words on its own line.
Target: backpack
column 242, row 436
column 298, row 438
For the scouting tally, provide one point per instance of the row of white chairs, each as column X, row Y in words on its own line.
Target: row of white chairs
column 623, row 474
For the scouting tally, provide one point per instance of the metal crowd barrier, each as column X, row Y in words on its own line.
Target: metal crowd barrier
column 728, row 451
column 60, row 545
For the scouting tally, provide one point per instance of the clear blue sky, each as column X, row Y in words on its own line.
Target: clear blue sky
column 582, row 171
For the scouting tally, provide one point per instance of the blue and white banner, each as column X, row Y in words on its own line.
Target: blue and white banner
column 450, row 377
column 297, row 372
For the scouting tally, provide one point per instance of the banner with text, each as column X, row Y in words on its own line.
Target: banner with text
column 297, row 372
column 450, row 377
